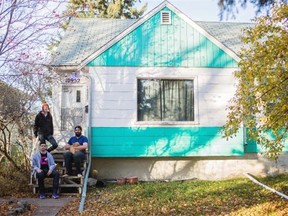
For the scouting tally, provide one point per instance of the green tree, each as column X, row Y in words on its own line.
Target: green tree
column 105, row 9
column 261, row 99
column 230, row 7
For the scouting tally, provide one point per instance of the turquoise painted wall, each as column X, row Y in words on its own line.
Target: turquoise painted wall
column 252, row 147
column 175, row 45
column 163, row 142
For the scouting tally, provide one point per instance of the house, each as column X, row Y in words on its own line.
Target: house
column 152, row 95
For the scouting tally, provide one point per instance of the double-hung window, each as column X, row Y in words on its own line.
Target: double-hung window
column 165, row 100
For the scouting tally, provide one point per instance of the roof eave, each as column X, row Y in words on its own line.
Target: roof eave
column 65, row 68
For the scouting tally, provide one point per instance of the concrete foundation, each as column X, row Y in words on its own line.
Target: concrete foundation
column 205, row 168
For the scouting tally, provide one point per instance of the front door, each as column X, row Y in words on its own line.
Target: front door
column 74, row 99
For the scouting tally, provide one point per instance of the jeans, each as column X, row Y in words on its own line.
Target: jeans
column 77, row 158
column 49, row 138
column 42, row 175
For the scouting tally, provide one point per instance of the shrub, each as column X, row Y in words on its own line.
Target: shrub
column 12, row 181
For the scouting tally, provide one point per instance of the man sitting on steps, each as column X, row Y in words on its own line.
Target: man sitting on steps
column 44, row 166
column 77, row 146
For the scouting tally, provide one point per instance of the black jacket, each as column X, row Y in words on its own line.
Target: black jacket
column 43, row 125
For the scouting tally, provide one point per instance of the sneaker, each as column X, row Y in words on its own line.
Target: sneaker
column 79, row 175
column 55, row 196
column 42, row 196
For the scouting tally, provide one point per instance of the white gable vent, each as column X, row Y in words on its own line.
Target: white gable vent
column 165, row 17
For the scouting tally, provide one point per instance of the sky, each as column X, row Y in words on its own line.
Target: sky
column 204, row 10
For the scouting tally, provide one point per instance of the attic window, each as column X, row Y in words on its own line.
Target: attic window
column 165, row 17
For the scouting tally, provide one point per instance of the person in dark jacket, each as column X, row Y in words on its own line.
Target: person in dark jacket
column 43, row 127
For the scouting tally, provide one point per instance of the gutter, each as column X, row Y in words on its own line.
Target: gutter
column 84, row 187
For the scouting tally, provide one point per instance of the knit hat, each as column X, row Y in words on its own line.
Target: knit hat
column 44, row 104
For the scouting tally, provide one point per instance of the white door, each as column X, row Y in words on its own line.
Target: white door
column 74, row 99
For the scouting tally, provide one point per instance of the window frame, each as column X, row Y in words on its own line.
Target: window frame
column 171, row 123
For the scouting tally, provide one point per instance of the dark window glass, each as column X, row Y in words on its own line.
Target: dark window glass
column 165, row 100
column 78, row 96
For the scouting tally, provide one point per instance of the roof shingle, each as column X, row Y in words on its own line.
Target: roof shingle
column 85, row 36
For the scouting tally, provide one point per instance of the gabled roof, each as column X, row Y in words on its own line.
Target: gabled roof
column 86, row 38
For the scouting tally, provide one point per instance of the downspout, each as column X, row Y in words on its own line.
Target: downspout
column 84, row 187
column 245, row 135
column 265, row 186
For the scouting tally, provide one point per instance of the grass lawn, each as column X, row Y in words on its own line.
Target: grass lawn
column 194, row 197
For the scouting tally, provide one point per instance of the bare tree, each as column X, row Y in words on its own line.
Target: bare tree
column 26, row 28
column 14, row 126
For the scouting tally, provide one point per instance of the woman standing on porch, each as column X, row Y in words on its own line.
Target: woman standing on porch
column 43, row 127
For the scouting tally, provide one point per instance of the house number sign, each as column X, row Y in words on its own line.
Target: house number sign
column 73, row 78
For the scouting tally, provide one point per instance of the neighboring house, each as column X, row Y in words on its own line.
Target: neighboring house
column 153, row 93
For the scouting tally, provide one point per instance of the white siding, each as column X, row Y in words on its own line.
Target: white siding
column 115, row 93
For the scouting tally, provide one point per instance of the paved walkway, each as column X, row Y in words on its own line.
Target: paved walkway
column 48, row 206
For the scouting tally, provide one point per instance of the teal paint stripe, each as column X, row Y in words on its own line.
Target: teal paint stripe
column 176, row 45
column 253, row 147
column 163, row 142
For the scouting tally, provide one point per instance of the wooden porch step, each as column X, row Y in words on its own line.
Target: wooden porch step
column 64, row 182
column 73, row 182
column 60, row 185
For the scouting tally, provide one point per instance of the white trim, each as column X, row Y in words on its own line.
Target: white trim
column 166, row 123
column 66, row 69
column 174, row 123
